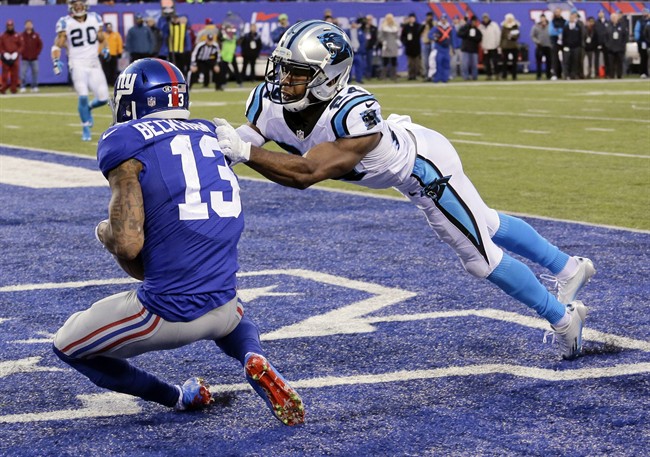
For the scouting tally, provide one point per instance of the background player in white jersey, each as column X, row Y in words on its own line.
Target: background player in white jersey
column 81, row 33
column 335, row 130
column 175, row 218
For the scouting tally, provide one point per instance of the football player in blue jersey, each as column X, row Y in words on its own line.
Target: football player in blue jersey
column 175, row 219
column 336, row 131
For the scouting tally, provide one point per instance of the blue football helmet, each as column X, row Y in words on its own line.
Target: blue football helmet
column 316, row 49
column 150, row 88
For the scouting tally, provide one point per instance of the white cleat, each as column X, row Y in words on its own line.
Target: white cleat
column 568, row 289
column 569, row 337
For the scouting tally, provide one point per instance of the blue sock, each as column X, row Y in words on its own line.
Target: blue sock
column 97, row 103
column 244, row 339
column 517, row 236
column 518, row 281
column 84, row 109
column 120, row 376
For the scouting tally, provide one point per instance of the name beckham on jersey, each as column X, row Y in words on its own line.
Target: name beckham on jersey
column 153, row 128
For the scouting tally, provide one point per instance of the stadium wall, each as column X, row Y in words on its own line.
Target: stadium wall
column 265, row 15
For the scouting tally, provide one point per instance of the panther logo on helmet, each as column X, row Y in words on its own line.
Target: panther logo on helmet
column 337, row 46
column 320, row 53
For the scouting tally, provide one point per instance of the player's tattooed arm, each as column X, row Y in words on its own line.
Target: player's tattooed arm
column 123, row 235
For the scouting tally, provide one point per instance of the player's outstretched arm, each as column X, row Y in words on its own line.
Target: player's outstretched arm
column 324, row 161
column 123, row 235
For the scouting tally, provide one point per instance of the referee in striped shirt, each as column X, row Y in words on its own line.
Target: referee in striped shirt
column 205, row 60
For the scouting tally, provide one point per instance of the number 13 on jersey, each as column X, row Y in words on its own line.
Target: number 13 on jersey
column 194, row 208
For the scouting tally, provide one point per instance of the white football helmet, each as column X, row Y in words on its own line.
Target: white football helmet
column 316, row 49
column 77, row 8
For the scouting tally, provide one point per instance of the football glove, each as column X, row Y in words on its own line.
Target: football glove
column 58, row 66
column 232, row 146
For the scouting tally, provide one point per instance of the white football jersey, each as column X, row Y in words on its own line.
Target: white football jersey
column 353, row 112
column 83, row 44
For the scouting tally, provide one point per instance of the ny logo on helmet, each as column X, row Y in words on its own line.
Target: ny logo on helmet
column 125, row 83
column 338, row 47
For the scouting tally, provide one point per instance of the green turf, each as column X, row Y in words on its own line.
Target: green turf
column 570, row 150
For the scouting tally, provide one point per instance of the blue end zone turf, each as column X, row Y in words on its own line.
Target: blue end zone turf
column 414, row 358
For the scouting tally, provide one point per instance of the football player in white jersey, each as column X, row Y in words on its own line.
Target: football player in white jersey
column 336, row 131
column 81, row 33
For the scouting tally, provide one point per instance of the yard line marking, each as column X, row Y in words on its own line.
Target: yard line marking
column 546, row 116
column 538, row 111
column 593, row 110
column 51, row 113
column 536, row 132
column 468, row 133
column 545, row 148
column 13, row 127
column 596, row 129
column 469, row 370
column 644, row 108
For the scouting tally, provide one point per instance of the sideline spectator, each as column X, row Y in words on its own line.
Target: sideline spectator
column 616, row 41
column 555, row 31
column 591, row 47
column 388, row 36
column 410, row 38
column 358, row 42
column 601, row 33
column 156, row 36
column 139, row 41
column 283, row 25
column 251, row 46
column 540, row 36
column 509, row 46
column 11, row 47
column 229, row 67
column 572, row 37
column 32, row 47
column 426, row 42
column 456, row 42
column 179, row 42
column 641, row 41
column 209, row 29
column 115, row 49
column 441, row 35
column 371, row 32
column 470, row 40
column 490, row 43
column 206, row 61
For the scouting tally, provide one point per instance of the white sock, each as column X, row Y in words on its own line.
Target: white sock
column 569, row 270
column 564, row 321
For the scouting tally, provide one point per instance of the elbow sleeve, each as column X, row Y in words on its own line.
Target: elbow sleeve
column 250, row 135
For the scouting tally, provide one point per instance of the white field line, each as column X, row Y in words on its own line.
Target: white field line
column 370, row 194
column 550, row 149
column 469, row 370
column 546, row 116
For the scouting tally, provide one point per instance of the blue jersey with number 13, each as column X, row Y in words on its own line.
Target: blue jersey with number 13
column 193, row 214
